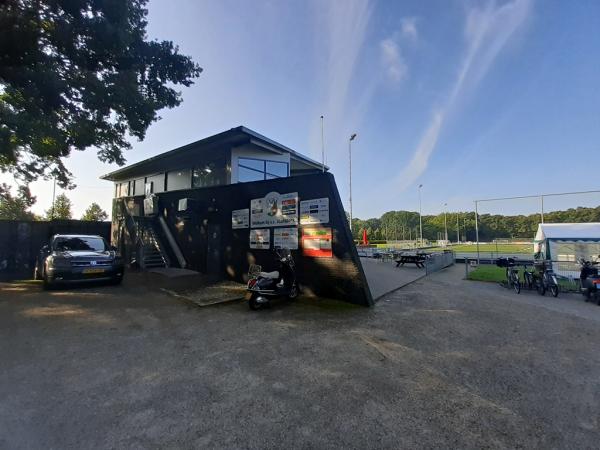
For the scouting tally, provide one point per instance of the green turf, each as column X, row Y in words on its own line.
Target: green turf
column 488, row 273
column 488, row 248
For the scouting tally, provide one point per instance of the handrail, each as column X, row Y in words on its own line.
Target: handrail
column 172, row 242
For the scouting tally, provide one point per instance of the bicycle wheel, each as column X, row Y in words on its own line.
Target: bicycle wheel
column 517, row 286
column 541, row 288
column 554, row 290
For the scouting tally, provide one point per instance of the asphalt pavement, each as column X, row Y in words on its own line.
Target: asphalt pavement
column 440, row 363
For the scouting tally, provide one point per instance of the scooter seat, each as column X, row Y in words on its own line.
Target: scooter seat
column 273, row 275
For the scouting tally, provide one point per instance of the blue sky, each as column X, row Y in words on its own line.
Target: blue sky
column 473, row 99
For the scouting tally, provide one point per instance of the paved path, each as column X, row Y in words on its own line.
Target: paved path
column 384, row 277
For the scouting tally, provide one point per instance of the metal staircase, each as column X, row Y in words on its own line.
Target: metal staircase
column 152, row 253
column 148, row 246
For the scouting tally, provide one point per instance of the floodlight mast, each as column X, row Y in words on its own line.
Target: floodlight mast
column 352, row 137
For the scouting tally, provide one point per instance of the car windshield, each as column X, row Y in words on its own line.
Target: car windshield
column 95, row 244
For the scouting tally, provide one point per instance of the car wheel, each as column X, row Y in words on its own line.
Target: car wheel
column 47, row 284
column 36, row 273
column 116, row 281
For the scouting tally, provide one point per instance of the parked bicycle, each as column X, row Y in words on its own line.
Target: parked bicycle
column 512, row 273
column 529, row 278
column 547, row 279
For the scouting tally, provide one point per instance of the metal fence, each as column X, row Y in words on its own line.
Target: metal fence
column 438, row 261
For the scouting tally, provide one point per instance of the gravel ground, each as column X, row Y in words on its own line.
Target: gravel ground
column 440, row 363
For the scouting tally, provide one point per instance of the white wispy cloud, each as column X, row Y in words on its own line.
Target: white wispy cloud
column 392, row 60
column 409, row 28
column 487, row 31
column 341, row 41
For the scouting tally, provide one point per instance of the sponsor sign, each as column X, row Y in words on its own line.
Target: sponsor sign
column 316, row 242
column 260, row 239
column 314, row 211
column 285, row 238
column 240, row 218
column 274, row 210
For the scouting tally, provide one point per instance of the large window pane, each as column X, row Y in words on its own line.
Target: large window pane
column 211, row 174
column 138, row 187
column 256, row 164
column 247, row 175
column 179, row 179
column 277, row 169
column 158, row 183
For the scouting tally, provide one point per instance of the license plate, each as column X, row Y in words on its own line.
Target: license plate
column 93, row 270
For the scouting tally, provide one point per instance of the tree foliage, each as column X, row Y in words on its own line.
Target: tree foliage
column 76, row 74
column 95, row 213
column 400, row 225
column 16, row 207
column 61, row 208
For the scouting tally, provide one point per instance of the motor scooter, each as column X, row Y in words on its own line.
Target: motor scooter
column 264, row 286
column 590, row 280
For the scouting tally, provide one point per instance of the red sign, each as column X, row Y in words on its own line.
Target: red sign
column 316, row 242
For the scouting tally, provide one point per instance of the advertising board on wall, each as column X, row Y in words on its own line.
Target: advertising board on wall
column 285, row 238
column 316, row 242
column 240, row 218
column 274, row 210
column 314, row 211
column 260, row 239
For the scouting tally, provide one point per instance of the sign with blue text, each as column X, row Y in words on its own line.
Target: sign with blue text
column 274, row 210
column 314, row 211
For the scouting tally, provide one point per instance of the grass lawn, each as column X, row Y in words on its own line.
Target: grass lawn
column 487, row 248
column 488, row 273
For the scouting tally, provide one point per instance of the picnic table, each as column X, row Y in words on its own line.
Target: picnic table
column 417, row 259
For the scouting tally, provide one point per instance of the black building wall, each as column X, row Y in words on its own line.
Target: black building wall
column 21, row 241
column 210, row 245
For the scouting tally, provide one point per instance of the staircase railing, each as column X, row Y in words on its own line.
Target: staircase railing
column 172, row 242
column 132, row 228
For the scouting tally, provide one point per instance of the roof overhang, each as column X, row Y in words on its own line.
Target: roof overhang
column 177, row 158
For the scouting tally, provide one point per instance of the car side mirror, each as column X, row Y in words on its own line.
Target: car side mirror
column 46, row 249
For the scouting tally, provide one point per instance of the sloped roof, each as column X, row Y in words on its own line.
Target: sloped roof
column 234, row 136
column 568, row 231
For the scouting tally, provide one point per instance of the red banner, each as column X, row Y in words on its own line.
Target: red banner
column 316, row 242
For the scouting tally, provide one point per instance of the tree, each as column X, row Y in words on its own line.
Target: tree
column 76, row 74
column 61, row 208
column 95, row 213
column 17, row 207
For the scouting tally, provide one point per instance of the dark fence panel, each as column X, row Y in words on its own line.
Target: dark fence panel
column 20, row 241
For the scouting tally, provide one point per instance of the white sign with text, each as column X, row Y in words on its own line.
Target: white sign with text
column 274, row 210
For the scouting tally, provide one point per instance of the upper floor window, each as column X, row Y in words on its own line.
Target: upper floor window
column 122, row 189
column 213, row 173
column 258, row 169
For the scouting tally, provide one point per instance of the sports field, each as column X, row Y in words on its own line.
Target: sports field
column 488, row 248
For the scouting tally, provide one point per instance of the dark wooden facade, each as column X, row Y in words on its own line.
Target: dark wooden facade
column 209, row 244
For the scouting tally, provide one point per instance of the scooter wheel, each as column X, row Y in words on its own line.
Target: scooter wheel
column 254, row 306
column 587, row 295
column 293, row 293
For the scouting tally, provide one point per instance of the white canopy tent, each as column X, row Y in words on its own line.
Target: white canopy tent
column 566, row 243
